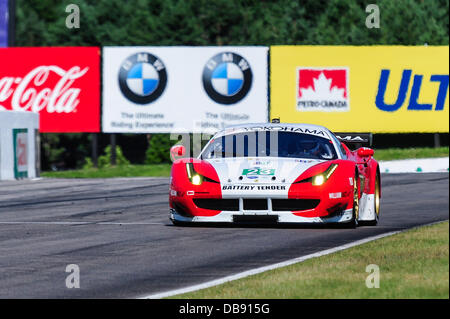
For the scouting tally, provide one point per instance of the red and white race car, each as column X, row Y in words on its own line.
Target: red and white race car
column 276, row 173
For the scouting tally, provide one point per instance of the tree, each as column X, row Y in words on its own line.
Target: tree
column 219, row 22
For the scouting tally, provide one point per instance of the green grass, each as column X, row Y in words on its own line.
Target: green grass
column 405, row 153
column 413, row 264
column 156, row 170
column 163, row 170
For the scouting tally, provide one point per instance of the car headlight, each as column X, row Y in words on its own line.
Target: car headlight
column 323, row 177
column 318, row 180
column 194, row 177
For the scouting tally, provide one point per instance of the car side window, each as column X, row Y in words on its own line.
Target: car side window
column 344, row 153
column 340, row 148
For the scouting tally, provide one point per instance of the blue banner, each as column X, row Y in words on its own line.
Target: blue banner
column 3, row 23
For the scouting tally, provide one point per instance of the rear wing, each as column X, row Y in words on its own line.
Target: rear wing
column 357, row 139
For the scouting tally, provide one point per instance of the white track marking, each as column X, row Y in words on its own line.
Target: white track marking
column 76, row 223
column 259, row 270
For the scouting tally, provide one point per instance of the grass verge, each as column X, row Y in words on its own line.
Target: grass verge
column 413, row 264
column 156, row 170
column 406, row 153
column 163, row 170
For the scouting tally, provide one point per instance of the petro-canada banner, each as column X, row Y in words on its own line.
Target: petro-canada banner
column 378, row 89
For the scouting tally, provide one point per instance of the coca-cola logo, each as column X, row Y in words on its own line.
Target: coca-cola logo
column 46, row 87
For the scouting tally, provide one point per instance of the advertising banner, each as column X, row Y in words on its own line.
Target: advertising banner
column 183, row 89
column 20, row 142
column 378, row 89
column 4, row 23
column 61, row 84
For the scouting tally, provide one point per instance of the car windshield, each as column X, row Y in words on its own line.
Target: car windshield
column 274, row 144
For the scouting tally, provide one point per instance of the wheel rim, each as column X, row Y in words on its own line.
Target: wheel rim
column 377, row 197
column 355, row 199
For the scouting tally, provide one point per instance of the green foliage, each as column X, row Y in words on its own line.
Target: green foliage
column 88, row 164
column 407, row 22
column 104, row 161
column 51, row 150
column 231, row 22
column 63, row 150
column 159, row 149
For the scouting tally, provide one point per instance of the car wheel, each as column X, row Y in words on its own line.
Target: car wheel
column 355, row 213
column 376, row 202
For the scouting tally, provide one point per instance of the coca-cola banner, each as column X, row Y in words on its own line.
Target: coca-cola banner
column 61, row 84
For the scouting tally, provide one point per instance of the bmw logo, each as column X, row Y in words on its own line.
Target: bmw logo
column 227, row 78
column 142, row 78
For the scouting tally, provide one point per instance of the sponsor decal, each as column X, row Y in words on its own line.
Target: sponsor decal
column 227, row 78
column 351, row 138
column 323, row 89
column 253, row 187
column 283, row 129
column 257, row 163
column 258, row 171
column 303, row 161
column 142, row 78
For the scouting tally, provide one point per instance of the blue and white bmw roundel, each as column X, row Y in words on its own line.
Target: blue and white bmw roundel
column 227, row 79
column 142, row 79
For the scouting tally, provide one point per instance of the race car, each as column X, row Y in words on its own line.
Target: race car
column 276, row 173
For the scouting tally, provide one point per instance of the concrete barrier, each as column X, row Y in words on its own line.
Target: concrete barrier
column 19, row 145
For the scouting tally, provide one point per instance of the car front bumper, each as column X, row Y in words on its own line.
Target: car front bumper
column 261, row 217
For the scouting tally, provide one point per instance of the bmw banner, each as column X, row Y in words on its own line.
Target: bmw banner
column 183, row 89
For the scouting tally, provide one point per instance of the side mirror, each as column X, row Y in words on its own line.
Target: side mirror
column 365, row 152
column 177, row 151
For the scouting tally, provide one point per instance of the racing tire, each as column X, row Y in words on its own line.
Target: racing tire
column 376, row 203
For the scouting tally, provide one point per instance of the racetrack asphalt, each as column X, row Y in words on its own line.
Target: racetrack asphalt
column 118, row 232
